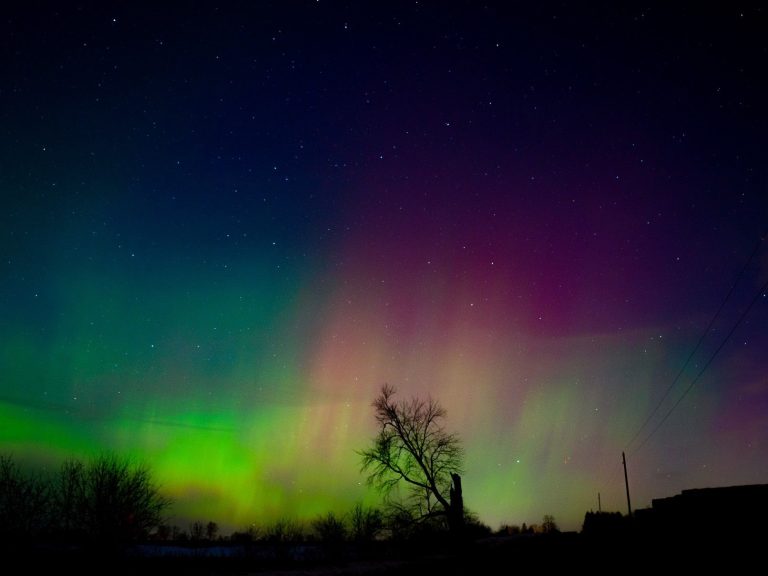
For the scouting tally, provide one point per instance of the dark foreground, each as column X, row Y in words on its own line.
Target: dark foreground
column 497, row 555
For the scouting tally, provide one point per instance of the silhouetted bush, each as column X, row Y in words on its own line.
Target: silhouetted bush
column 366, row 524
column 474, row 528
column 284, row 531
column 330, row 528
column 403, row 526
column 163, row 533
column 250, row 534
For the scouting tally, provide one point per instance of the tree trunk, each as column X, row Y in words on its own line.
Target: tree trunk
column 456, row 510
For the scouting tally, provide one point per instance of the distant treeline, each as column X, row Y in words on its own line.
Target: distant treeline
column 111, row 500
column 359, row 525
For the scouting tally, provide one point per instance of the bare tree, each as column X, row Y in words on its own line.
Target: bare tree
column 413, row 449
column 24, row 502
column 365, row 523
column 548, row 525
column 108, row 499
column 211, row 530
column 196, row 530
column 330, row 528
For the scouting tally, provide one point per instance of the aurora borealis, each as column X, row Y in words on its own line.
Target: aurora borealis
column 223, row 228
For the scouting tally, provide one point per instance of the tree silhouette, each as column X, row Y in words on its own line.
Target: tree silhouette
column 24, row 502
column 330, row 528
column 109, row 499
column 211, row 530
column 196, row 530
column 549, row 526
column 365, row 523
column 414, row 450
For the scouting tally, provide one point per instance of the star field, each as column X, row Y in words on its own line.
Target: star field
column 223, row 228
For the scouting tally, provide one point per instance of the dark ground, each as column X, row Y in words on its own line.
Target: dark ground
column 567, row 552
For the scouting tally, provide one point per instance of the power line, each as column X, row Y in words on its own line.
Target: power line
column 762, row 290
column 698, row 344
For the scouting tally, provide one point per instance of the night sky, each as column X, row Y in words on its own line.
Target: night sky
column 224, row 228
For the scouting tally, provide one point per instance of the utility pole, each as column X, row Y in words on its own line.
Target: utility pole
column 599, row 504
column 626, row 483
